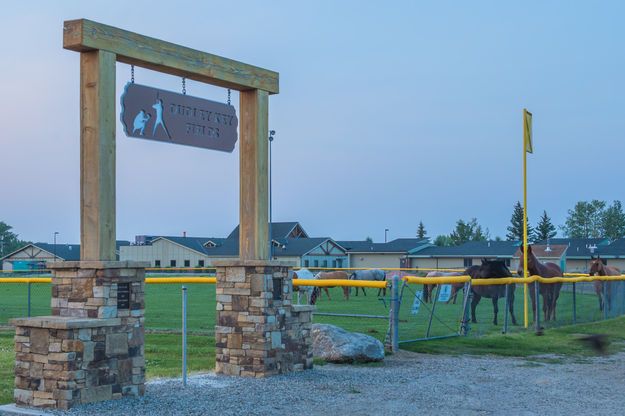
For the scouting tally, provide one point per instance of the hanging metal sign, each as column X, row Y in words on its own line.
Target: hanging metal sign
column 445, row 293
column 150, row 113
column 416, row 303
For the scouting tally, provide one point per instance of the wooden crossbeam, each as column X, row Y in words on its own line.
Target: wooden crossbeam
column 85, row 35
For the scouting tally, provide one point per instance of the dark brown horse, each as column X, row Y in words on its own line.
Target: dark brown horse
column 597, row 268
column 491, row 269
column 549, row 291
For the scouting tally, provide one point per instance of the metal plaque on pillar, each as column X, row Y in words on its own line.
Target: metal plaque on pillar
column 154, row 114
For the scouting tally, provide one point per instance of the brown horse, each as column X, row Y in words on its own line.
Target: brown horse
column 338, row 274
column 597, row 268
column 549, row 291
column 428, row 290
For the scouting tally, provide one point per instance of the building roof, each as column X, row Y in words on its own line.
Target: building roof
column 279, row 230
column 504, row 249
column 67, row 252
column 555, row 251
column 579, row 247
column 399, row 245
column 229, row 247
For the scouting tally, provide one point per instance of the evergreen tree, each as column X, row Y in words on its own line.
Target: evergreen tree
column 585, row 220
column 421, row 230
column 369, row 239
column 545, row 229
column 515, row 229
column 613, row 222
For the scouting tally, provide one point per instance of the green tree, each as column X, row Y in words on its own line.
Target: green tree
column 369, row 239
column 443, row 241
column 515, row 229
column 8, row 240
column 584, row 220
column 421, row 230
column 613, row 221
column 468, row 231
column 545, row 229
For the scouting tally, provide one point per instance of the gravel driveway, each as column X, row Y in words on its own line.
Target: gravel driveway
column 405, row 384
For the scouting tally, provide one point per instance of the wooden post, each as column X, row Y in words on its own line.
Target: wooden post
column 97, row 155
column 253, row 183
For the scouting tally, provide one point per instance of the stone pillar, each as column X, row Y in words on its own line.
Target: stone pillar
column 259, row 331
column 92, row 347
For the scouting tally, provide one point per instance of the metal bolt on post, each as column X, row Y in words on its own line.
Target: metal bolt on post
column 184, row 336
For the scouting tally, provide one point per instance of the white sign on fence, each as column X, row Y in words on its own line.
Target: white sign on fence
column 445, row 293
column 417, row 302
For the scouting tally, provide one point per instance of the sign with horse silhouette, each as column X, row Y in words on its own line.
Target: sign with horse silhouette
column 150, row 113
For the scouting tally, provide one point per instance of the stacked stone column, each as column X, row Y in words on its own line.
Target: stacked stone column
column 92, row 347
column 259, row 331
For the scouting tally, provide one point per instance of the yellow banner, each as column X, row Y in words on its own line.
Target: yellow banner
column 527, row 131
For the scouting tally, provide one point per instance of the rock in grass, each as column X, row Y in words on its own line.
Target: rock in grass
column 336, row 345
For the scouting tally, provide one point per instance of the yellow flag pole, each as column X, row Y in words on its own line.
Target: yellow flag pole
column 525, row 214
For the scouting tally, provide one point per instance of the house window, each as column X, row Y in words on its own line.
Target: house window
column 333, row 263
column 172, row 263
column 306, row 263
column 316, row 263
column 507, row 262
column 325, row 263
column 339, row 263
column 157, row 263
column 604, row 261
column 468, row 262
column 200, row 263
column 187, row 263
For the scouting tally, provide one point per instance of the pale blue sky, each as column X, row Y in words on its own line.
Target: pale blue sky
column 389, row 113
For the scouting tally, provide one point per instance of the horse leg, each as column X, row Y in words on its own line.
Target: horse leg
column 547, row 304
column 556, row 295
column 511, row 304
column 327, row 293
column 532, row 291
column 474, row 302
column 495, row 309
column 345, row 293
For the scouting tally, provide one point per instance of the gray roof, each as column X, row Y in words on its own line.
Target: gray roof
column 229, row 247
column 504, row 249
column 399, row 245
column 278, row 230
column 67, row 252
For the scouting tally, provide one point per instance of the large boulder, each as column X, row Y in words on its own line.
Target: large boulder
column 336, row 345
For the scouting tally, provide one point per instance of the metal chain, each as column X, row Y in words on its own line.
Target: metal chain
column 132, row 74
column 228, row 96
column 184, row 86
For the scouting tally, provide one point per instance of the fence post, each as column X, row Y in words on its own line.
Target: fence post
column 184, row 336
column 537, row 297
column 395, row 313
column 574, row 306
column 505, row 313
column 605, row 299
column 28, row 300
